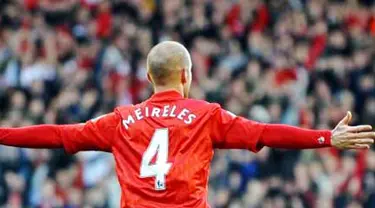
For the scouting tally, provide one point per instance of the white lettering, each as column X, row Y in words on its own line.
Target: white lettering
column 190, row 119
column 165, row 111
column 172, row 112
column 146, row 111
column 182, row 113
column 155, row 111
column 138, row 114
column 128, row 121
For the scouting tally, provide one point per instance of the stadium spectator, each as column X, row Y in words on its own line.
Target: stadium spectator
column 298, row 62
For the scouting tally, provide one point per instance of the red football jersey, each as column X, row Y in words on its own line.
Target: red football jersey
column 163, row 147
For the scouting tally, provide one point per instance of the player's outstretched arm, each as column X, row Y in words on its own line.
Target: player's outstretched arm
column 92, row 135
column 343, row 136
column 239, row 133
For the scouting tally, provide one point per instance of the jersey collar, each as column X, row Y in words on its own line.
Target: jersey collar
column 166, row 95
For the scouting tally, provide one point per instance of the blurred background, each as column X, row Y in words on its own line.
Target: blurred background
column 297, row 62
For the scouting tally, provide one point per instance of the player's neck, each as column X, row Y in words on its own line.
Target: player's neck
column 179, row 89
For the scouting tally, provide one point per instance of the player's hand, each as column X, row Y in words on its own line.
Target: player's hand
column 352, row 137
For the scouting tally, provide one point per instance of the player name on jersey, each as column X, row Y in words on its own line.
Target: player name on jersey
column 168, row 111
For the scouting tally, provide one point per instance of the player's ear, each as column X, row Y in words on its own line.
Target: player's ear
column 149, row 77
column 183, row 76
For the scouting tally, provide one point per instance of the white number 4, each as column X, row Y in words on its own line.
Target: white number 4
column 159, row 146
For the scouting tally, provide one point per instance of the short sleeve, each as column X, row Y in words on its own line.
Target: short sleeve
column 95, row 134
column 234, row 132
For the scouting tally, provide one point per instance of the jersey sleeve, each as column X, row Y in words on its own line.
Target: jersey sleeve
column 95, row 134
column 234, row 132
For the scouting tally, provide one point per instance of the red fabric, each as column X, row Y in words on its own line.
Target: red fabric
column 316, row 49
column 288, row 137
column 24, row 46
column 262, row 19
column 356, row 19
column 85, row 63
column 31, row 4
column 233, row 20
column 195, row 128
column 352, row 21
column 283, row 76
column 259, row 24
column 115, row 80
column 371, row 26
column 104, row 24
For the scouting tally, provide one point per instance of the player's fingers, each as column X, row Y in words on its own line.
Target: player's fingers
column 361, row 135
column 361, row 141
column 358, row 146
column 359, row 128
column 346, row 120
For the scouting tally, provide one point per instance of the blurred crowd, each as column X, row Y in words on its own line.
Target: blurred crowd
column 298, row 62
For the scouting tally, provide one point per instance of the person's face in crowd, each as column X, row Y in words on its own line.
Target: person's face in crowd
column 221, row 198
column 300, row 25
column 253, row 70
column 64, row 178
column 284, row 44
column 83, row 15
column 301, row 52
column 275, row 111
column 322, row 91
column 370, row 162
column 301, row 177
column 36, row 108
column 219, row 13
column 360, row 59
column 315, row 9
column 354, row 204
column 370, row 106
column 235, row 106
column 337, row 63
column 315, row 170
column 367, row 83
column 37, row 88
column 144, row 41
column 348, row 164
column 238, row 88
column 89, row 98
column 280, row 61
column 236, row 204
column 18, row 101
column 337, row 40
column 65, row 43
column 14, row 182
column 279, row 202
column 347, row 101
column 95, row 197
column 296, row 202
column 324, row 202
column 256, row 191
column 75, row 197
column 48, row 192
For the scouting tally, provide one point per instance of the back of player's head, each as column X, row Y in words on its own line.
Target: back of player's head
column 166, row 61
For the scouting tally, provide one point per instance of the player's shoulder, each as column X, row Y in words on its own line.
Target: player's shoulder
column 202, row 104
column 122, row 111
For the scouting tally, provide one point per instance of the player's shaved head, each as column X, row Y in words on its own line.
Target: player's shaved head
column 166, row 61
